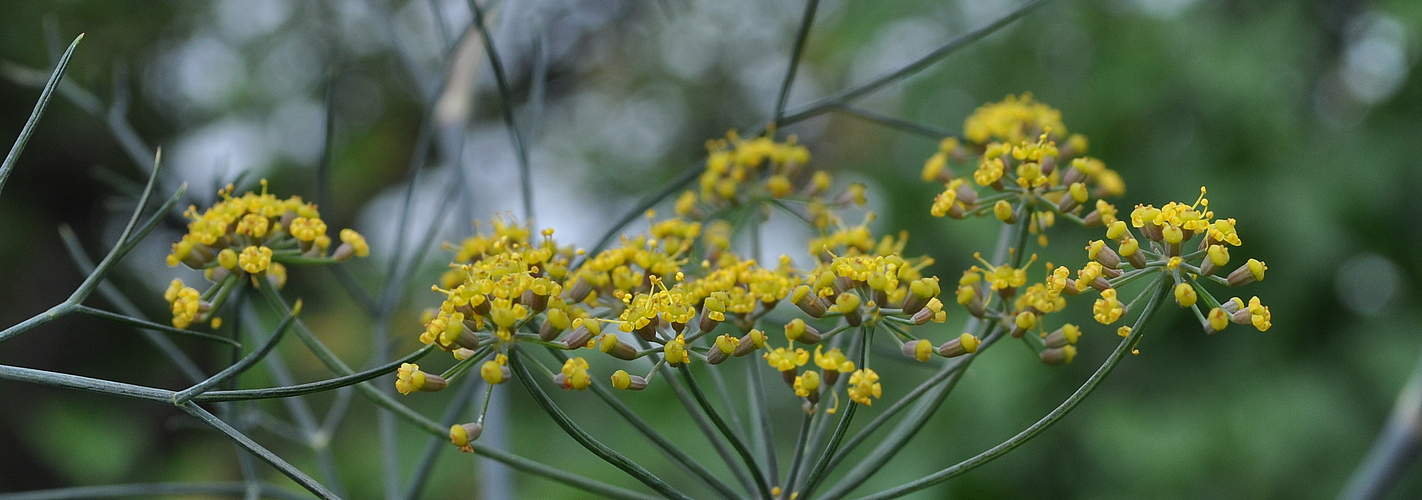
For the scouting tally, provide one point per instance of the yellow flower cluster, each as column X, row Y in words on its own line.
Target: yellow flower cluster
column 253, row 234
column 741, row 171
column 1019, row 151
column 678, row 295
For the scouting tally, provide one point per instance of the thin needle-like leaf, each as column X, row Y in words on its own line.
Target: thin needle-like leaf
column 45, row 95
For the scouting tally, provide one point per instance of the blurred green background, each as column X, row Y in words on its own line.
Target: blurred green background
column 1304, row 119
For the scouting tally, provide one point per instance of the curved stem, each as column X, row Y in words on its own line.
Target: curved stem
column 730, row 434
column 1127, row 345
column 582, row 437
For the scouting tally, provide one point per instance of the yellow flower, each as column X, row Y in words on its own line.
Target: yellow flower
column 785, row 360
column 807, row 383
column 575, row 374
column 255, row 259
column 1107, row 309
column 834, row 360
column 864, row 384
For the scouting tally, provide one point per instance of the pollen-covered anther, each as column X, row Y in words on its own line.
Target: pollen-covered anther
column 920, row 349
column 1251, row 271
column 462, row 435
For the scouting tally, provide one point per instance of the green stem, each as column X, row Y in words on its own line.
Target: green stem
column 241, row 366
column 609, row 455
column 795, row 53
column 1126, row 346
column 726, row 431
column 150, row 490
column 918, row 64
column 311, row 387
column 45, row 95
column 670, row 449
column 149, row 325
column 256, row 449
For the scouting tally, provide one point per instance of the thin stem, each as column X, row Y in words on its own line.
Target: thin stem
column 149, row 325
column 1395, row 449
column 506, row 99
column 149, row 490
column 913, row 67
column 1162, row 289
column 800, row 445
column 438, row 443
column 730, row 434
column 119, row 300
column 795, row 54
column 894, row 122
column 256, row 449
column 241, row 366
column 45, row 95
column 65, row 380
column 582, row 437
column 668, row 448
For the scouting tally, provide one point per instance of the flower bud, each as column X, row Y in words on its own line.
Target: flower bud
column 578, row 338
column 1058, row 355
column 1185, row 295
column 755, row 339
column 918, row 349
column 724, row 346
column 464, row 434
column 848, row 304
column 797, row 331
column 628, row 382
column 410, row 379
column 1064, row 336
column 1004, row 212
column 807, row 301
column 1251, row 271
column 609, row 343
column 964, row 344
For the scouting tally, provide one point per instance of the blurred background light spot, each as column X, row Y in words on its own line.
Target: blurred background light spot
column 1164, row 9
column 1367, row 283
column 208, row 72
column 242, row 20
column 213, row 155
column 1375, row 61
